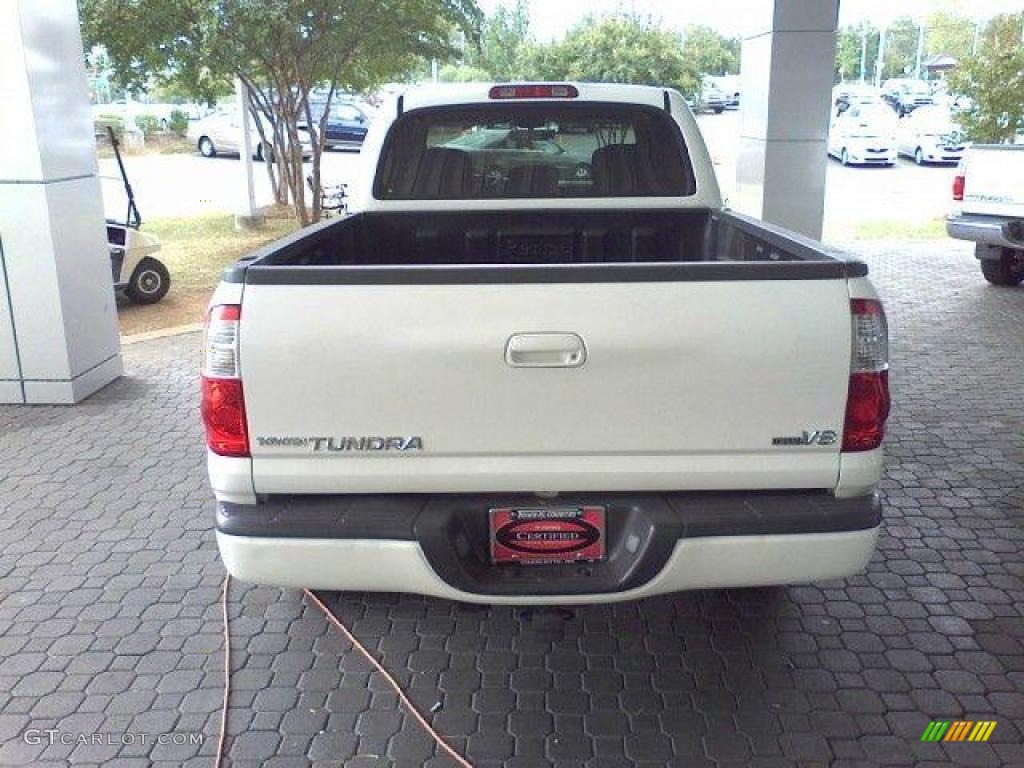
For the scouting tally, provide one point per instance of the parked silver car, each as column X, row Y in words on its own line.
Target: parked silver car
column 221, row 133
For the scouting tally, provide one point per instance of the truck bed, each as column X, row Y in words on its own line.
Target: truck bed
column 629, row 245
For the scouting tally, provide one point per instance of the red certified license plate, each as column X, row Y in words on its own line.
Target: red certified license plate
column 547, row 535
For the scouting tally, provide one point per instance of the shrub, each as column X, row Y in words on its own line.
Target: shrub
column 179, row 122
column 149, row 124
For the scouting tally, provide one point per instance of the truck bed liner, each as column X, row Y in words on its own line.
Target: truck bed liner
column 542, row 246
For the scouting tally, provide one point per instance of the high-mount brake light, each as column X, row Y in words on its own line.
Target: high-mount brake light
column 223, row 403
column 867, row 401
column 541, row 91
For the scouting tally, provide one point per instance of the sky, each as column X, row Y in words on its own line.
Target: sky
column 551, row 18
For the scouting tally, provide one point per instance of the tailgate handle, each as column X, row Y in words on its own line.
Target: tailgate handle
column 545, row 350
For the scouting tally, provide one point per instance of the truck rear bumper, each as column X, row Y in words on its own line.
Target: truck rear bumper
column 657, row 543
column 989, row 230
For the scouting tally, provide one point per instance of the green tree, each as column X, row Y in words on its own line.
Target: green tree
column 281, row 50
column 900, row 48
column 618, row 49
column 994, row 79
column 710, row 52
column 949, row 33
column 504, row 43
column 848, row 49
column 463, row 73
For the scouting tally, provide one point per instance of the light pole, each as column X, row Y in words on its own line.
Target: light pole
column 880, row 58
column 920, row 50
column 863, row 52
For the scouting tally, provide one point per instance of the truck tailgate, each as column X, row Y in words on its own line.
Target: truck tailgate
column 678, row 385
column 993, row 181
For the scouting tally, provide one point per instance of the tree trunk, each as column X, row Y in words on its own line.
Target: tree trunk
column 318, row 139
column 260, row 104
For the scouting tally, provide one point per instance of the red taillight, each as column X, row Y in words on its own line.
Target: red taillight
column 224, row 417
column 867, row 407
column 539, row 91
column 223, row 403
column 867, row 400
column 958, row 186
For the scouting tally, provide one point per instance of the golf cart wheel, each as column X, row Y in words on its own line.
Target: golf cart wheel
column 919, row 156
column 719, row 110
column 1002, row 271
column 149, row 282
column 206, row 148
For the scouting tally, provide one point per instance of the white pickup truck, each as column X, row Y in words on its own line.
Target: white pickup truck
column 541, row 363
column 988, row 195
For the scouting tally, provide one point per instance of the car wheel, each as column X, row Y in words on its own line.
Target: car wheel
column 719, row 110
column 844, row 156
column 919, row 156
column 1003, row 271
column 206, row 148
column 149, row 282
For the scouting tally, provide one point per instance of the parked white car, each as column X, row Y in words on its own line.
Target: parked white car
column 929, row 135
column 846, row 95
column 864, row 134
column 712, row 97
column 730, row 86
column 221, row 133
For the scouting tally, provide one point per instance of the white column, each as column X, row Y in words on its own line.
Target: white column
column 58, row 319
column 247, row 215
column 788, row 60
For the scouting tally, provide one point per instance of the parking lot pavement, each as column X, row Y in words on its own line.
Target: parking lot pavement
column 109, row 620
column 191, row 185
column 854, row 196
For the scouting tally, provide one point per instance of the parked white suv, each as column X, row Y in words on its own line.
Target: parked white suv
column 544, row 367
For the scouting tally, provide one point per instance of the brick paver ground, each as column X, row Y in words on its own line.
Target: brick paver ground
column 109, row 582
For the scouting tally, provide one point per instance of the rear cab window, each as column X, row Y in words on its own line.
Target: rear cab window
column 534, row 150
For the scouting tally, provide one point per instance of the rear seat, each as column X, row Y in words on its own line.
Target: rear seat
column 618, row 169
column 533, row 181
column 443, row 173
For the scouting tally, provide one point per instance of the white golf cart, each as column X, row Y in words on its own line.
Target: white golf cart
column 143, row 278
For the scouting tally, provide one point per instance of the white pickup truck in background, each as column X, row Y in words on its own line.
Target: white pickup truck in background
column 988, row 194
column 540, row 363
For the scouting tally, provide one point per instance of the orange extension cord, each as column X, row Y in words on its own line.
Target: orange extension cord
column 410, row 707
